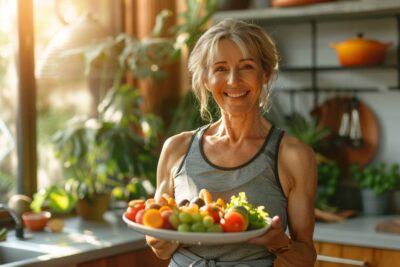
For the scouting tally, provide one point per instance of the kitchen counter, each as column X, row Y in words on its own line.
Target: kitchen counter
column 359, row 231
column 83, row 241
column 80, row 241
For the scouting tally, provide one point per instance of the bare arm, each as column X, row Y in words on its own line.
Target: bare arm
column 297, row 170
column 171, row 156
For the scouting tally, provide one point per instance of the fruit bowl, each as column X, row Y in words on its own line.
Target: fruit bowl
column 36, row 221
column 191, row 238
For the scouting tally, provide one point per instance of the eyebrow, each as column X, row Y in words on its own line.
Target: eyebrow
column 242, row 60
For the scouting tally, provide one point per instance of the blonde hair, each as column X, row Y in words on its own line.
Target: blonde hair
column 250, row 38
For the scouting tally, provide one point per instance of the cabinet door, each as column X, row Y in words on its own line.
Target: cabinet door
column 386, row 258
column 141, row 258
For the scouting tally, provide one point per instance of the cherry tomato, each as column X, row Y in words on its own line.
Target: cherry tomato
column 214, row 211
column 233, row 222
column 132, row 211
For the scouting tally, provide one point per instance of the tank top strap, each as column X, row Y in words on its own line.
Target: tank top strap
column 271, row 150
column 194, row 140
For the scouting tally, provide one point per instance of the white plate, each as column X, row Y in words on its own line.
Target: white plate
column 197, row 238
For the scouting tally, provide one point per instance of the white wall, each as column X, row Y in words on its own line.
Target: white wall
column 294, row 41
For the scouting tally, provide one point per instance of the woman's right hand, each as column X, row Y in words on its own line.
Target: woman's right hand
column 163, row 249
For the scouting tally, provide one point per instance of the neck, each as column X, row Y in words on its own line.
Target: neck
column 236, row 128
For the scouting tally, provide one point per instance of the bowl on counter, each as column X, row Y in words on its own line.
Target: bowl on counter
column 36, row 221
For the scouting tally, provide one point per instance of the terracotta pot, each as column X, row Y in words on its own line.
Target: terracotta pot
column 36, row 221
column 361, row 52
column 93, row 208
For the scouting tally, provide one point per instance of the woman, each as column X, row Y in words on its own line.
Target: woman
column 235, row 62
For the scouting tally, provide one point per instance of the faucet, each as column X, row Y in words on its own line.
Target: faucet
column 19, row 226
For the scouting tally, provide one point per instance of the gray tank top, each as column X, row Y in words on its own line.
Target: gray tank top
column 258, row 178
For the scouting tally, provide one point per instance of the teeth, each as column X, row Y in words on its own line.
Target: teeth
column 237, row 95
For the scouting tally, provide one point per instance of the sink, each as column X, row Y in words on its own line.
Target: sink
column 13, row 254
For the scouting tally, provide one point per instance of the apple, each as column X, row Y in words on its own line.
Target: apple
column 139, row 216
column 165, row 215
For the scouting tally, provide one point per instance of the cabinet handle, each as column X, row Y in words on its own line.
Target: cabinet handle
column 341, row 260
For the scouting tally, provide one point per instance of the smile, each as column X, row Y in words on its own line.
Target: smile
column 236, row 95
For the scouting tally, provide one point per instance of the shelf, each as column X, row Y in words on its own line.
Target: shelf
column 325, row 11
column 330, row 90
column 337, row 68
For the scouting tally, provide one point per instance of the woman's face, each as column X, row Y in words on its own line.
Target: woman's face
column 235, row 81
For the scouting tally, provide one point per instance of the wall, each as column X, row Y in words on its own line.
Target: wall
column 294, row 41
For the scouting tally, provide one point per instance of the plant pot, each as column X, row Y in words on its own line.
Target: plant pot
column 36, row 221
column 373, row 204
column 93, row 208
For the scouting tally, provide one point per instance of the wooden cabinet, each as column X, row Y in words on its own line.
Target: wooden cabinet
column 373, row 257
column 140, row 258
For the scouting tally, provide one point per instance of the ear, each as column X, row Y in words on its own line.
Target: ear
column 266, row 76
column 205, row 83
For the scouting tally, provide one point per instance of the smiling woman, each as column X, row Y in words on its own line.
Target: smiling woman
column 234, row 63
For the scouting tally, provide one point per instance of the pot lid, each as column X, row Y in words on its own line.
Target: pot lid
column 360, row 39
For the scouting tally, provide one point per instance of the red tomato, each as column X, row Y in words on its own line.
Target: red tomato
column 139, row 216
column 233, row 222
column 132, row 211
column 214, row 211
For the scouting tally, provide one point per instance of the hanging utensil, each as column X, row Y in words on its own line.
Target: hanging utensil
column 355, row 134
column 344, row 126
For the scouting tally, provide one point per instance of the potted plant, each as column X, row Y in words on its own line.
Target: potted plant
column 328, row 178
column 375, row 181
column 104, row 153
column 53, row 198
column 101, row 153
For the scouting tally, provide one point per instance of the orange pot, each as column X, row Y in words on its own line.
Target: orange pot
column 36, row 221
column 361, row 52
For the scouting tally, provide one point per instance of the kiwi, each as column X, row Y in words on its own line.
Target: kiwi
column 184, row 202
column 198, row 201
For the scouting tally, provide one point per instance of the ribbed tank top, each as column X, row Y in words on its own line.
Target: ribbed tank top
column 258, row 178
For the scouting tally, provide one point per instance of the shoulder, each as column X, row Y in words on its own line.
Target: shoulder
column 296, row 160
column 175, row 147
column 178, row 142
column 295, row 150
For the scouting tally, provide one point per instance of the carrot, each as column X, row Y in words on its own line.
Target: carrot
column 152, row 218
column 205, row 195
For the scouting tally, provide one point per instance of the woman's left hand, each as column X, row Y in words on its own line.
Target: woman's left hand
column 274, row 238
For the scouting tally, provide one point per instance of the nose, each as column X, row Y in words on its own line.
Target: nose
column 233, row 77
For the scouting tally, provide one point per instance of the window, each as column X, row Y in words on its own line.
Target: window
column 62, row 89
column 8, row 99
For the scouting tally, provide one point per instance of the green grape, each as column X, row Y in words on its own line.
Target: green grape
column 185, row 217
column 215, row 228
column 196, row 217
column 174, row 220
column 184, row 227
column 208, row 221
column 198, row 227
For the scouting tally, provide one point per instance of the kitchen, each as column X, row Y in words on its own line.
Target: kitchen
column 291, row 38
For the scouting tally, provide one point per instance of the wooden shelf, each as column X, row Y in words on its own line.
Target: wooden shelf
column 335, row 68
column 322, row 12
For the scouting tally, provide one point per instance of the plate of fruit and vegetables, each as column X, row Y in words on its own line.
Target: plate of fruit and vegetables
column 200, row 221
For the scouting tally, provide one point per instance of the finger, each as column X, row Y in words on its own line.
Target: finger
column 276, row 222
